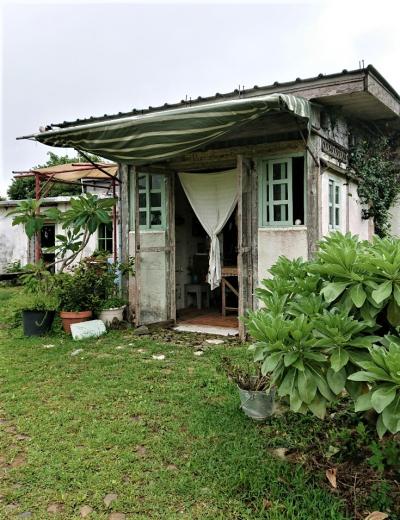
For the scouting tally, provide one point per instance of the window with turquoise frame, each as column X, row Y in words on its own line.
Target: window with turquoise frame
column 334, row 204
column 282, row 192
column 151, row 202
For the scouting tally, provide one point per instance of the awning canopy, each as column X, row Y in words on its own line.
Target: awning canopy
column 76, row 171
column 165, row 134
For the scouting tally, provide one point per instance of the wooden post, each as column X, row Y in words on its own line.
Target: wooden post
column 313, row 184
column 170, row 247
column 135, row 179
column 245, row 231
column 38, row 248
column 124, row 221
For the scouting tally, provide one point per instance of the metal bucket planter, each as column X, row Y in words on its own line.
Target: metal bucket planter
column 257, row 404
column 37, row 323
column 107, row 316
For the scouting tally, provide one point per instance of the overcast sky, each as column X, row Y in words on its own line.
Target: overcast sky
column 73, row 60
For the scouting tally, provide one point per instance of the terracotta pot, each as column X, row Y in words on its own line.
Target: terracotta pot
column 68, row 318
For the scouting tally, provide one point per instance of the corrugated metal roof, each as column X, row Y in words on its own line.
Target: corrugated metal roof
column 254, row 91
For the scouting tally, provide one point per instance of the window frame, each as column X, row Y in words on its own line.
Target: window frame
column 265, row 178
column 105, row 238
column 148, row 209
column 334, row 208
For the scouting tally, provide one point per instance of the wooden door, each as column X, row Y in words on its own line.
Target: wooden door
column 247, row 237
column 154, row 245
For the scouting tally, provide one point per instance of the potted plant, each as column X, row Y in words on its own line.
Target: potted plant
column 40, row 300
column 257, row 395
column 113, row 306
column 81, row 292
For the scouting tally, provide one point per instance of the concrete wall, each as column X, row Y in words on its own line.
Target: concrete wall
column 153, row 277
column 14, row 244
column 395, row 220
column 351, row 208
column 276, row 242
column 357, row 225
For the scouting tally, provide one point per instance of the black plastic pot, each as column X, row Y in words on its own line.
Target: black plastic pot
column 37, row 323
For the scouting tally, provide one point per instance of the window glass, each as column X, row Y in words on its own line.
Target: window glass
column 151, row 201
column 334, row 204
column 105, row 237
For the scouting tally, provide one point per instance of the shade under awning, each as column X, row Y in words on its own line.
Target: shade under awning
column 161, row 135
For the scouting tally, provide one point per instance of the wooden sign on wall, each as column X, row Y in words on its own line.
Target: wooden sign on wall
column 334, row 150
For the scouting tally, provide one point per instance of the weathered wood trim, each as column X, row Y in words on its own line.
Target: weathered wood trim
column 135, row 179
column 227, row 157
column 245, row 267
column 313, row 184
column 124, row 222
column 170, row 247
column 254, row 230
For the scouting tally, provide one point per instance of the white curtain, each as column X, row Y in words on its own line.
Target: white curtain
column 213, row 197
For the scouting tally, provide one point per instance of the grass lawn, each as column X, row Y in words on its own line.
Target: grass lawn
column 166, row 437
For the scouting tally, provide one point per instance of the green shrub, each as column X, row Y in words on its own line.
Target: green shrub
column 321, row 322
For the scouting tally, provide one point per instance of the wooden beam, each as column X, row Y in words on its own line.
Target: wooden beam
column 135, row 179
column 313, row 186
column 124, row 221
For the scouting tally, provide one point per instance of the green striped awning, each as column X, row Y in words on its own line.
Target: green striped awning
column 164, row 134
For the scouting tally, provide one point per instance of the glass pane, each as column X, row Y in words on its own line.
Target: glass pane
column 330, row 215
column 142, row 200
column 337, row 195
column 142, row 182
column 267, row 191
column 280, row 191
column 155, row 218
column 331, row 192
column 142, row 218
column 279, row 171
column 337, row 217
column 280, row 213
column 155, row 182
column 155, row 200
column 267, row 213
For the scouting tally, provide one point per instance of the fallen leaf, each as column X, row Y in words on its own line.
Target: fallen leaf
column 280, row 453
column 85, row 511
column 198, row 353
column 55, row 508
column 141, row 451
column 331, row 476
column 267, row 504
column 376, row 515
column 159, row 357
column 110, row 497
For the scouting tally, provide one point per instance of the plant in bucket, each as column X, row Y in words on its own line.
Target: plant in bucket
column 113, row 306
column 257, row 395
column 40, row 300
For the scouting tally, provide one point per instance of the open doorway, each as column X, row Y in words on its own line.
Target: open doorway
column 48, row 239
column 196, row 304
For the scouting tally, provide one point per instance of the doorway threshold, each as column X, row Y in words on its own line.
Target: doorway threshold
column 206, row 329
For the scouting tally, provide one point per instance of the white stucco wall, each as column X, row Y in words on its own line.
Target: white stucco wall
column 350, row 207
column 357, row 225
column 14, row 244
column 395, row 219
column 276, row 242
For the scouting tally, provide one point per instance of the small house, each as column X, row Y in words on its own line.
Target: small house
column 214, row 190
